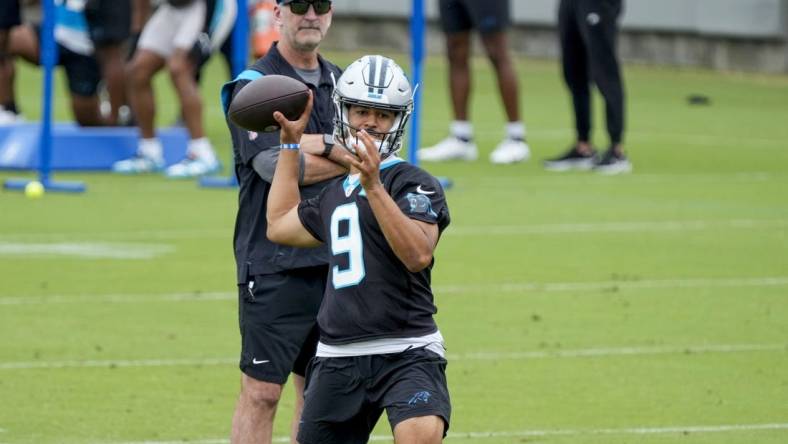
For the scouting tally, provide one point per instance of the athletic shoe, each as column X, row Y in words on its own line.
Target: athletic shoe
column 450, row 148
column 510, row 151
column 9, row 117
column 147, row 160
column 193, row 167
column 573, row 159
column 138, row 164
column 613, row 163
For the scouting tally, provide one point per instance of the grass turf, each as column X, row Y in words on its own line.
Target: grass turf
column 576, row 307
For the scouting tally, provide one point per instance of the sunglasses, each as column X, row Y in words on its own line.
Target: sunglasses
column 301, row 7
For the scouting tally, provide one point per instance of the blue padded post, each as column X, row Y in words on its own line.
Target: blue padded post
column 48, row 59
column 417, row 57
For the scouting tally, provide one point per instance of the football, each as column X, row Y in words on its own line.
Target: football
column 253, row 107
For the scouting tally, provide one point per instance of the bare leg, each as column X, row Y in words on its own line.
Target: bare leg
column 497, row 49
column 421, row 430
column 112, row 59
column 6, row 68
column 141, row 70
column 182, row 73
column 253, row 421
column 458, row 48
column 20, row 41
column 298, row 384
column 86, row 110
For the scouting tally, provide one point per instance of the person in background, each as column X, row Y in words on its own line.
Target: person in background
column 11, row 17
column 491, row 19
column 75, row 54
column 109, row 25
column 280, row 288
column 588, row 31
column 167, row 41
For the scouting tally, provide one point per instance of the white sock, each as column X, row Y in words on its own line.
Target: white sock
column 201, row 148
column 461, row 129
column 515, row 130
column 150, row 148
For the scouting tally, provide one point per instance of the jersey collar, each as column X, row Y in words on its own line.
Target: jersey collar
column 352, row 181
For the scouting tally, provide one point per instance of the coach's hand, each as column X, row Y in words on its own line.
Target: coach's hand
column 292, row 130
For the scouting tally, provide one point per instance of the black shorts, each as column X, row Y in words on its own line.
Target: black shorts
column 278, row 321
column 83, row 72
column 109, row 21
column 344, row 397
column 486, row 16
column 10, row 16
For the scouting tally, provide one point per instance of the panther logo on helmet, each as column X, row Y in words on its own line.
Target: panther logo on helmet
column 377, row 82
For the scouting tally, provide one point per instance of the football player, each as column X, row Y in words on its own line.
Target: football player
column 380, row 348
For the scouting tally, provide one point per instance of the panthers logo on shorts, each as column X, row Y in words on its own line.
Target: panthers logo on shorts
column 420, row 397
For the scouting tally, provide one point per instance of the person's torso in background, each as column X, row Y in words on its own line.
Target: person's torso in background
column 71, row 28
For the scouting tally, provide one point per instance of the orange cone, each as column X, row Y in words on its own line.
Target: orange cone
column 264, row 30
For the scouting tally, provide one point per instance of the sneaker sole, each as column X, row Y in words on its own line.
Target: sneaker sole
column 578, row 165
column 450, row 159
column 192, row 176
column 136, row 172
column 612, row 170
column 509, row 161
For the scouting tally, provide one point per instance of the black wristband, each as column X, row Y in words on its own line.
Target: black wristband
column 328, row 141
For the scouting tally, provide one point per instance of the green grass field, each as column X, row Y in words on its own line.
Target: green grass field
column 649, row 308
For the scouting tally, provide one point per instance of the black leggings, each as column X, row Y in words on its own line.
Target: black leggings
column 588, row 31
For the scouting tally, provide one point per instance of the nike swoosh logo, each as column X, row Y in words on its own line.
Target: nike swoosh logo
column 421, row 190
column 255, row 361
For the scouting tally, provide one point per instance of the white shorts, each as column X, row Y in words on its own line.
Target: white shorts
column 172, row 28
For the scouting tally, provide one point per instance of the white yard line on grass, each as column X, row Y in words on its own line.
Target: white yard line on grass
column 146, row 235
column 514, row 287
column 84, row 250
column 623, row 431
column 597, row 352
column 620, row 351
column 724, row 428
column 556, row 179
column 644, row 284
column 15, row 242
column 613, row 227
column 118, row 298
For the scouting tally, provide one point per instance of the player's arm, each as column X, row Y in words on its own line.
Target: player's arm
column 411, row 240
column 284, row 226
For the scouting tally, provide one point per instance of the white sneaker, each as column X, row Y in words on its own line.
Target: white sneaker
column 138, row 165
column 450, row 148
column 147, row 160
column 193, row 167
column 9, row 117
column 510, row 151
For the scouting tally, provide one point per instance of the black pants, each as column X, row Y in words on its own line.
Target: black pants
column 588, row 30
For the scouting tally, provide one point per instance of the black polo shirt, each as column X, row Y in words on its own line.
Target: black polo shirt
column 254, row 253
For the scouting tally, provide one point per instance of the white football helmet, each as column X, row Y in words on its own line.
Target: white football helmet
column 377, row 82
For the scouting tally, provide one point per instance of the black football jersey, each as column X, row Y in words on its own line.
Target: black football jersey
column 370, row 294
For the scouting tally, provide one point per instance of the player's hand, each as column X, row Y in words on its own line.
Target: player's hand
column 292, row 130
column 368, row 162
